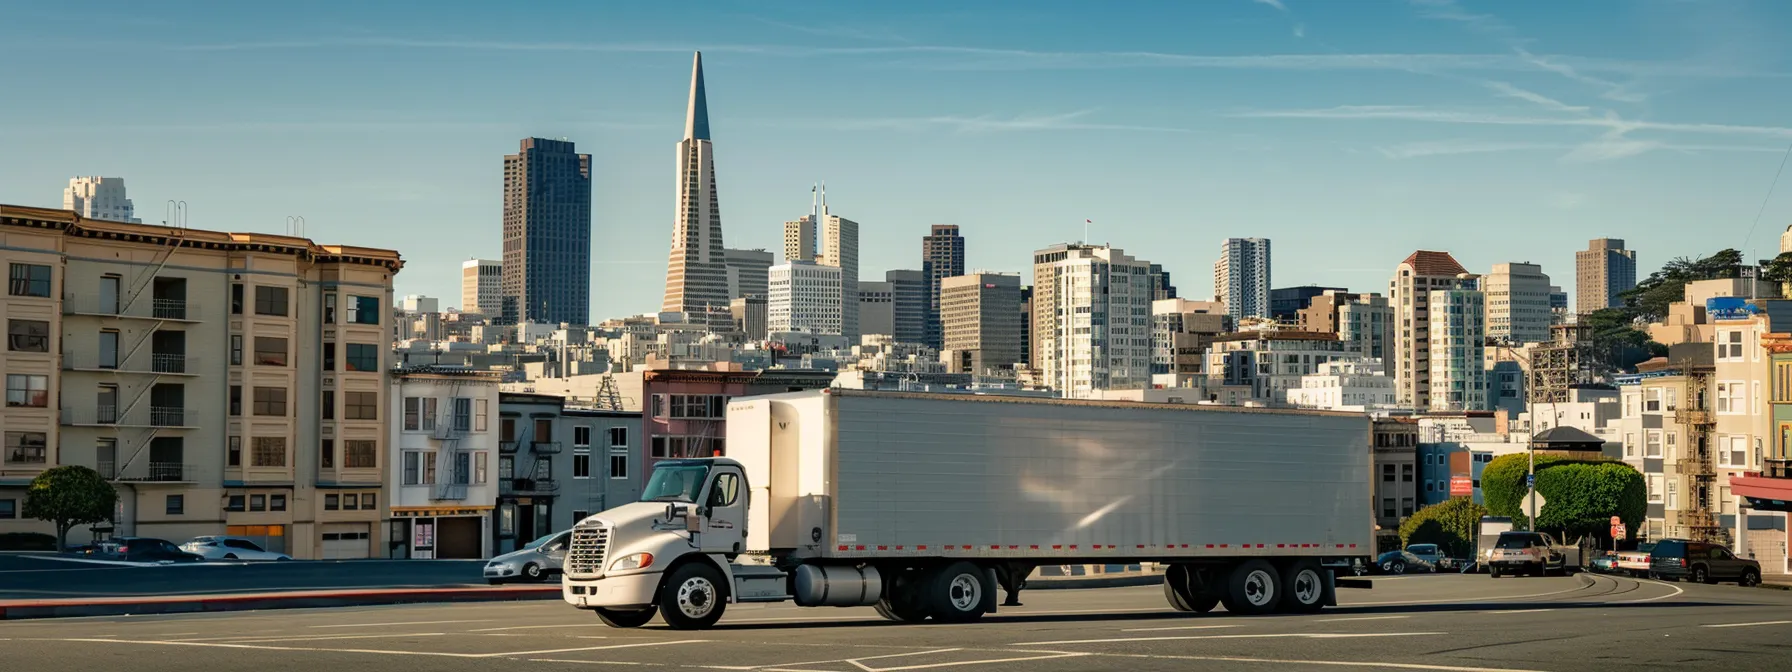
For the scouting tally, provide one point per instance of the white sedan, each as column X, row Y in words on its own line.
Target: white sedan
column 230, row 548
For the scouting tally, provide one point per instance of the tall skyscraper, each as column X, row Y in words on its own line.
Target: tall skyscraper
column 547, row 233
column 799, row 233
column 980, row 319
column 1241, row 277
column 1026, row 326
column 840, row 249
column 482, row 287
column 1091, row 319
column 1409, row 293
column 1517, row 303
column 1458, row 333
column 747, row 271
column 1602, row 271
column 804, row 297
column 696, row 273
column 877, row 308
column 908, row 299
column 100, row 198
column 942, row 256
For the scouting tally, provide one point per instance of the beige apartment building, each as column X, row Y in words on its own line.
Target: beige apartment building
column 227, row 383
column 980, row 322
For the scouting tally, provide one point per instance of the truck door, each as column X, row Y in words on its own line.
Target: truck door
column 725, row 512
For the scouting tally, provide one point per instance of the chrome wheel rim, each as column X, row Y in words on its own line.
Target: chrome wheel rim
column 1259, row 588
column 696, row 597
column 1306, row 586
column 965, row 592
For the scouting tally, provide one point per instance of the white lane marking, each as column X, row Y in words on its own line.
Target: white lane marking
column 607, row 662
column 1321, row 663
column 1515, row 611
column 536, row 627
column 1180, row 627
column 315, row 638
column 267, row 647
column 1677, row 592
column 1359, row 618
column 383, row 625
column 773, row 666
column 1297, row 635
column 1470, row 600
column 1744, row 625
column 510, row 654
column 968, row 662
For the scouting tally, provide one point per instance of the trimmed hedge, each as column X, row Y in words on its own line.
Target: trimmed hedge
column 1450, row 524
column 1581, row 496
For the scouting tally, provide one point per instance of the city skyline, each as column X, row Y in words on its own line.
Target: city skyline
column 1499, row 135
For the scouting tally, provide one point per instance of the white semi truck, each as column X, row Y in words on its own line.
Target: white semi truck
column 923, row 505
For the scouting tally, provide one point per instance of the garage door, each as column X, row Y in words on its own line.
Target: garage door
column 459, row 538
column 346, row 541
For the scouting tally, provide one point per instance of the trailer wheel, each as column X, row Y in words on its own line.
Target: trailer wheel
column 1303, row 587
column 693, row 598
column 1253, row 587
column 626, row 618
column 1176, row 588
column 956, row 594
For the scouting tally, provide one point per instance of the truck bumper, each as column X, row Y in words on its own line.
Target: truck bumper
column 615, row 592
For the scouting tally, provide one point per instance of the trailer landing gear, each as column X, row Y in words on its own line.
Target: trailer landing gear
column 1013, row 579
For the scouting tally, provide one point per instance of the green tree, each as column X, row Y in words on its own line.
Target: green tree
column 1618, row 345
column 68, row 496
column 1581, row 496
column 1450, row 524
column 1650, row 299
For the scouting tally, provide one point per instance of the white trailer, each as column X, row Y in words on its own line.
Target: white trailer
column 921, row 505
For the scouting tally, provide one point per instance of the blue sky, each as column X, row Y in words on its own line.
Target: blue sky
column 1350, row 133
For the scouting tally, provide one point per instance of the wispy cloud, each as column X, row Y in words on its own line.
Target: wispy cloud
column 987, row 123
column 1491, row 26
column 1273, row 3
column 836, row 31
column 1511, row 91
column 1609, row 122
column 1413, row 150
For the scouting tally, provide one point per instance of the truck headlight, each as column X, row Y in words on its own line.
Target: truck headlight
column 628, row 562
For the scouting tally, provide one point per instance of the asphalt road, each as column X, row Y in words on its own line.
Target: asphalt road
column 24, row 577
column 1447, row 622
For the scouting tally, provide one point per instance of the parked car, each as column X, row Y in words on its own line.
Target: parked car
column 536, row 561
column 1401, row 562
column 230, row 548
column 1605, row 563
column 1535, row 553
column 142, row 549
column 1637, row 563
column 1701, row 562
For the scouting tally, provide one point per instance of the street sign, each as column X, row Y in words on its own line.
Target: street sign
column 1617, row 522
column 1530, row 481
column 1462, row 487
column 1533, row 503
column 1618, row 532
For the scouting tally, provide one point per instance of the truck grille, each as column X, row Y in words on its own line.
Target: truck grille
column 590, row 546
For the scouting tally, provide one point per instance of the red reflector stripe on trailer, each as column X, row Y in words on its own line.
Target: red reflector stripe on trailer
column 883, row 548
column 842, row 548
column 1034, row 547
column 922, row 547
column 994, row 547
column 1057, row 547
column 860, row 548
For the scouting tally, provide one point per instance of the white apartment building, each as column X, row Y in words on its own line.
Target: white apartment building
column 1458, row 335
column 99, row 198
column 1518, row 303
column 1263, row 366
column 1091, row 319
column 441, row 486
column 1241, row 277
column 1744, row 426
column 1356, row 385
column 482, row 287
column 1409, row 294
column 804, row 296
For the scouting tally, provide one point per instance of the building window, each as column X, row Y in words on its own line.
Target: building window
column 618, row 463
column 27, row 448
column 236, row 400
column 235, row 503
column 9, row 509
column 479, row 415
column 659, row 406
column 480, row 459
column 27, row 335
column 581, row 464
column 270, row 351
column 699, row 406
column 258, row 502
column 361, row 405
column 359, row 454
column 234, row 451
column 463, row 414
column 1387, row 507
column 268, row 451
column 236, row 298
column 332, row 502
column 581, row 437
column 27, row 390
column 276, row 502
column 1732, row 398
column 618, row 437
column 328, row 405
column 1652, row 400
column 350, row 502
column 270, row 301
column 1655, row 488
column 29, row 280
column 364, row 310
column 330, row 308
column 1729, row 346
column 270, row 401
column 1387, row 475
column 1733, row 451
column 329, row 358
column 1406, row 473
column 1406, row 506
column 367, row 501
column 236, row 349
column 419, row 414
column 326, row 454
column 419, row 467
column 363, row 357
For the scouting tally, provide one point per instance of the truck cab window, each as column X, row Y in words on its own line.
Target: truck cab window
column 725, row 491
column 676, row 483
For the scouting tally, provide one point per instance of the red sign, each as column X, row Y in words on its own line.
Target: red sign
column 1616, row 521
column 1462, row 487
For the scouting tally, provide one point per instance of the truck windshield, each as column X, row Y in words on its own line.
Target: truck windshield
column 675, row 483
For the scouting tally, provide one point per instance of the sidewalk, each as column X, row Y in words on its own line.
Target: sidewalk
column 1777, row 581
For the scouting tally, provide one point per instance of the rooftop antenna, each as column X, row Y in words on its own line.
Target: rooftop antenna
column 175, row 215
column 1086, row 223
column 295, row 226
column 814, row 205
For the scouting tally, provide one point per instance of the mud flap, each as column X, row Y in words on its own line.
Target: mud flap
column 1330, row 598
column 989, row 595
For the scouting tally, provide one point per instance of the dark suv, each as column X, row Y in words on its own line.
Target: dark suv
column 142, row 549
column 1701, row 562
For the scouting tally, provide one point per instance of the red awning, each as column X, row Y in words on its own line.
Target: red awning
column 1761, row 487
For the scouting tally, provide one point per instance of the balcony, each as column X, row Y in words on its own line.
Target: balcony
column 152, row 364
column 1694, row 466
column 507, row 447
column 177, row 310
column 545, row 447
column 149, row 472
column 1688, row 416
column 1697, row 519
column 528, row 486
column 170, row 417
column 446, row 429
column 451, row 492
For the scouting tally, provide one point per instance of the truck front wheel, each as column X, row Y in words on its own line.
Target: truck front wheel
column 958, row 592
column 625, row 618
column 1253, row 587
column 693, row 598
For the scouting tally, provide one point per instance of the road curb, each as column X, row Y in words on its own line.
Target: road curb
column 26, row 609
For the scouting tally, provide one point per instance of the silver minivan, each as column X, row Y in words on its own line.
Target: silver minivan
column 537, row 560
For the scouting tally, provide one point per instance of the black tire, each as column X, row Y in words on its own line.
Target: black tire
column 693, row 597
column 1397, row 567
column 901, row 601
column 532, row 572
column 1205, row 603
column 1493, row 572
column 1750, row 578
column 1701, row 575
column 1253, row 587
column 625, row 618
column 229, row 556
column 1177, row 588
column 958, row 593
column 1303, row 587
